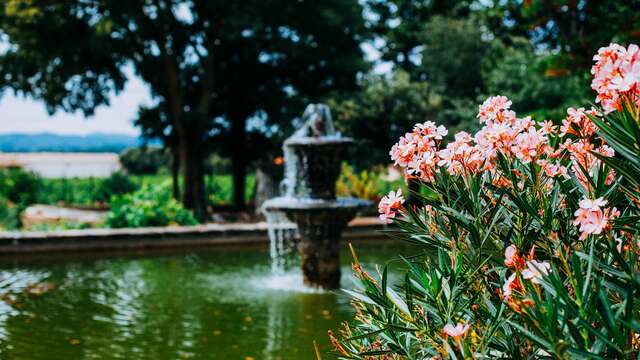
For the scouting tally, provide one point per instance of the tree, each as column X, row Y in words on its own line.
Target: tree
column 385, row 109
column 400, row 25
column 527, row 78
column 573, row 29
column 210, row 65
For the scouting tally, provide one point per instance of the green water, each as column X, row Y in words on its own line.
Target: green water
column 206, row 304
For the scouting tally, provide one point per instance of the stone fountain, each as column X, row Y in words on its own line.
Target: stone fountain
column 313, row 157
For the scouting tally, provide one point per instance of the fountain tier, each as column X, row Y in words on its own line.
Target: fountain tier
column 320, row 224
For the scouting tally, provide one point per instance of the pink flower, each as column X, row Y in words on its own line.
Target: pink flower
column 578, row 123
column 511, row 257
column 415, row 152
column 390, row 205
column 512, row 284
column 460, row 156
column 496, row 109
column 456, row 331
column 552, row 169
column 536, row 270
column 548, row 127
column 528, row 145
column 592, row 217
column 582, row 159
column 430, row 130
column 616, row 75
column 423, row 166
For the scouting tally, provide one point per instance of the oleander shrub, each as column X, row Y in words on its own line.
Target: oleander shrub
column 151, row 205
column 530, row 235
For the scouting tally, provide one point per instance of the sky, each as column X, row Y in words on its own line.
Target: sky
column 25, row 115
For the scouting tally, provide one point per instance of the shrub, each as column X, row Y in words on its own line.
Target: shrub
column 19, row 186
column 531, row 235
column 366, row 184
column 114, row 185
column 152, row 205
column 9, row 215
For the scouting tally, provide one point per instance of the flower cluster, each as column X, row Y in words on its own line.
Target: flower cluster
column 416, row 151
column 390, row 205
column 616, row 76
column 518, row 139
column 592, row 217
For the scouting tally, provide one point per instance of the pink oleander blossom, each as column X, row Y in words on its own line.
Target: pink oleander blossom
column 578, row 123
column 593, row 217
column 456, row 331
column 416, row 151
column 553, row 169
column 512, row 259
column 582, row 158
column 536, row 270
column 511, row 284
column 461, row 156
column 390, row 205
column 496, row 110
column 616, row 75
column 529, row 145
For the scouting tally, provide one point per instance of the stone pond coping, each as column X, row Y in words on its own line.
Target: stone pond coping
column 16, row 242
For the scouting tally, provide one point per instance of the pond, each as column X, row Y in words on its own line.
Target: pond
column 220, row 303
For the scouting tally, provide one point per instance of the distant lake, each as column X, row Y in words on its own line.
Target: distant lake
column 64, row 165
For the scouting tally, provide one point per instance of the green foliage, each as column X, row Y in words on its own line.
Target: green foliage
column 220, row 189
column 366, row 184
column 149, row 206
column 145, row 160
column 573, row 29
column 19, row 186
column 116, row 184
column 9, row 215
column 18, row 189
column 58, row 226
column 453, row 55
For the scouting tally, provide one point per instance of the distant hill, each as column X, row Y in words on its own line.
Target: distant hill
column 97, row 142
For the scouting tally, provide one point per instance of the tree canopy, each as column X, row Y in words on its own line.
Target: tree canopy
column 210, row 65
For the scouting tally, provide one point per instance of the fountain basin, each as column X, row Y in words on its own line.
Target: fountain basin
column 320, row 224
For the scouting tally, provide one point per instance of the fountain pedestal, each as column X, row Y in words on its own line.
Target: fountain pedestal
column 320, row 224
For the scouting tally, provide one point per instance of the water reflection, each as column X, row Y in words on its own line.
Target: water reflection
column 220, row 304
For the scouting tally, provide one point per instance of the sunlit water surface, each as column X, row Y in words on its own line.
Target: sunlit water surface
column 206, row 304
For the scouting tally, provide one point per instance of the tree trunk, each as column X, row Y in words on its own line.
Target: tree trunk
column 175, row 169
column 238, row 160
column 192, row 164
